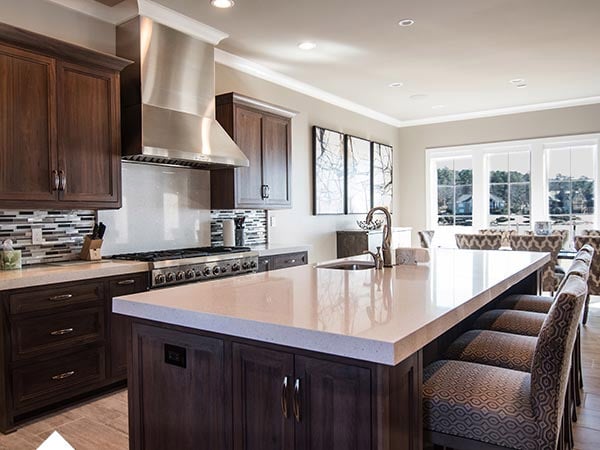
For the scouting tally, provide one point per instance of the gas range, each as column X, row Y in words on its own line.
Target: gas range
column 169, row 267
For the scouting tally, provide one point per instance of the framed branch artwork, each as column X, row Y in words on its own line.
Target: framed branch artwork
column 358, row 175
column 329, row 172
column 382, row 175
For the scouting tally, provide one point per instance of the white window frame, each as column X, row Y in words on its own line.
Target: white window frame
column 538, row 175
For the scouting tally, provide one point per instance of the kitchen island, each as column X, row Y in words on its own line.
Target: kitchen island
column 303, row 358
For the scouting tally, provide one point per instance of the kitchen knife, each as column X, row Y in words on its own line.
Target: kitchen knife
column 101, row 230
column 94, row 232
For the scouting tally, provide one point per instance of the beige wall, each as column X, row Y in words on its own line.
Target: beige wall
column 409, row 197
column 298, row 225
column 54, row 20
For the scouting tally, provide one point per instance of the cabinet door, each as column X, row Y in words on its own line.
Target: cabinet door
column 248, row 136
column 261, row 399
column 334, row 405
column 88, row 135
column 27, row 130
column 119, row 326
column 180, row 396
column 276, row 161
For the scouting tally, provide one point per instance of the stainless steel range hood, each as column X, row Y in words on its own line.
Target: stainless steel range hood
column 168, row 99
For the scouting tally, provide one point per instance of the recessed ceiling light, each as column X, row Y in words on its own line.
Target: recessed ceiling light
column 222, row 3
column 517, row 81
column 418, row 97
column 521, row 86
column 438, row 106
column 406, row 22
column 397, row 84
column 307, row 45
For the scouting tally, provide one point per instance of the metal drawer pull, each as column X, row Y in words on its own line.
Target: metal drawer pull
column 297, row 400
column 284, row 405
column 62, row 185
column 125, row 282
column 55, row 180
column 61, row 332
column 58, row 298
column 290, row 261
column 62, row 376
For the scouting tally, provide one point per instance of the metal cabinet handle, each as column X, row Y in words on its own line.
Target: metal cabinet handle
column 62, row 376
column 59, row 298
column 61, row 332
column 290, row 261
column 284, row 405
column 62, row 185
column 55, row 180
column 297, row 400
column 125, row 282
column 268, row 191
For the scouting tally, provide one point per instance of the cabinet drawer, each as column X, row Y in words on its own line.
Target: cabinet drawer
column 130, row 284
column 40, row 299
column 264, row 264
column 289, row 260
column 57, row 378
column 59, row 331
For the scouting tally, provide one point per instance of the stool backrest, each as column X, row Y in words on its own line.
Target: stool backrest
column 579, row 268
column 594, row 279
column 426, row 236
column 552, row 359
column 479, row 241
column 551, row 243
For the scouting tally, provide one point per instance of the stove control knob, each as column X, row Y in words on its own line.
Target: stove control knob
column 245, row 265
column 223, row 269
column 180, row 275
column 206, row 271
column 235, row 267
column 189, row 274
column 216, row 270
column 160, row 278
column 253, row 264
column 198, row 273
column 170, row 277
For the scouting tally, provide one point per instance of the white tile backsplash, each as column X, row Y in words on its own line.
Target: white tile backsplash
column 163, row 208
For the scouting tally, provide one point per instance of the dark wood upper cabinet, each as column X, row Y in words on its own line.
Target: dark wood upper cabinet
column 263, row 133
column 262, row 401
column 59, row 124
column 27, row 129
column 89, row 152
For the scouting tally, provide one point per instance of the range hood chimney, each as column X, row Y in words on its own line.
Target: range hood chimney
column 168, row 99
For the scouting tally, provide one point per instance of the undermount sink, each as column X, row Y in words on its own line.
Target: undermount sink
column 349, row 265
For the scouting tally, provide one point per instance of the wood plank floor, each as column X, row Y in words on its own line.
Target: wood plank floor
column 102, row 423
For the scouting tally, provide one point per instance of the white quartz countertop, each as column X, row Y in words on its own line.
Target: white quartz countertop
column 279, row 249
column 379, row 316
column 41, row 274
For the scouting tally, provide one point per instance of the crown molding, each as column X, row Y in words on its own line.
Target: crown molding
column 113, row 15
column 180, row 22
column 260, row 71
column 503, row 111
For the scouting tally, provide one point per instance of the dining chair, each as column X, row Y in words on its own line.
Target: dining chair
column 478, row 241
column 551, row 244
column 592, row 240
column 426, row 237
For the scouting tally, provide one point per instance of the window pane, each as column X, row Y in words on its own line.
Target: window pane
column 559, row 197
column 498, row 166
column 519, row 199
column 464, row 200
column 519, row 164
column 559, row 164
column 445, row 173
column 463, row 169
column 583, row 197
column 445, row 201
column 582, row 163
column 499, row 199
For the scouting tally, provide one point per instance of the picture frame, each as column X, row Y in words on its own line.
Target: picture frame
column 358, row 175
column 382, row 175
column 329, row 172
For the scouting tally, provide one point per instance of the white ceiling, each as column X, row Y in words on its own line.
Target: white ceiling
column 460, row 54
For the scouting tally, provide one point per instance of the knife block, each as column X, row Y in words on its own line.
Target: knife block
column 92, row 249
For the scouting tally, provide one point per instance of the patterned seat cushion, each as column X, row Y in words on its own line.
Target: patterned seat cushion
column 526, row 323
column 524, row 302
column 494, row 348
column 483, row 403
column 478, row 241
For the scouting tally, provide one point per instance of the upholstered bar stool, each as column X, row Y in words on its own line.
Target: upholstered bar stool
column 551, row 244
column 472, row 405
column 592, row 240
column 426, row 238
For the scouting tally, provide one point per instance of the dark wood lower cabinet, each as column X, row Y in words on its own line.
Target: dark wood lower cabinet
column 179, row 391
column 191, row 389
column 262, row 407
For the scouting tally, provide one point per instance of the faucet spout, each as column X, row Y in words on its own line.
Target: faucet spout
column 386, row 243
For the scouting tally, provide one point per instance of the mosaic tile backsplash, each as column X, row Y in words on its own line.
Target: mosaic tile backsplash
column 62, row 233
column 256, row 225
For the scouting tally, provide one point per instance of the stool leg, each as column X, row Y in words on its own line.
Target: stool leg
column 579, row 357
